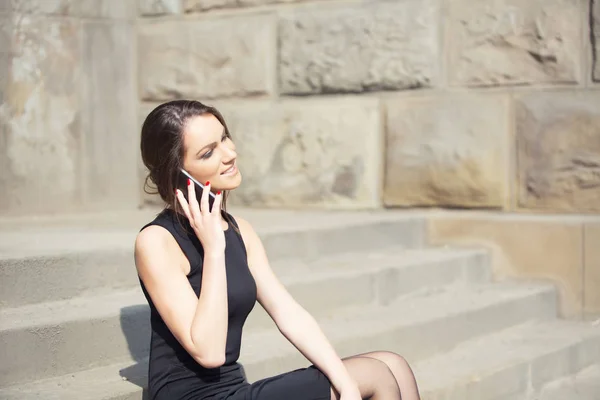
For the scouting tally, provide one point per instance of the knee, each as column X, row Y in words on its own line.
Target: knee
column 395, row 361
column 384, row 373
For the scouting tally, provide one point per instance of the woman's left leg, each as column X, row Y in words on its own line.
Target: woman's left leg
column 401, row 371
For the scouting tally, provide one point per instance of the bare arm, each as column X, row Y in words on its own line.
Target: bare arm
column 294, row 322
column 199, row 324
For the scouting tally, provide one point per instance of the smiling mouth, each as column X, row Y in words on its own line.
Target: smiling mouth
column 230, row 170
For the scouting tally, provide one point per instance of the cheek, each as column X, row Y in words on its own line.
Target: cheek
column 214, row 165
column 206, row 169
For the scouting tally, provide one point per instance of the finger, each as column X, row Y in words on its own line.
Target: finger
column 193, row 202
column 216, row 208
column 184, row 205
column 204, row 207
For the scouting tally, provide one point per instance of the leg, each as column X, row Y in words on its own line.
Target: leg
column 374, row 379
column 401, row 370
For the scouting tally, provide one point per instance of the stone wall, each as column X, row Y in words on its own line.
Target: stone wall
column 67, row 106
column 493, row 104
column 353, row 104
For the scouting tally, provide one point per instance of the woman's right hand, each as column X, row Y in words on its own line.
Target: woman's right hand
column 206, row 224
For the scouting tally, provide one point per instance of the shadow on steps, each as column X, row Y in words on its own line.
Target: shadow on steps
column 135, row 324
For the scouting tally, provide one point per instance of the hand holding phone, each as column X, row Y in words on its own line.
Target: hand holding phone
column 182, row 185
column 203, row 212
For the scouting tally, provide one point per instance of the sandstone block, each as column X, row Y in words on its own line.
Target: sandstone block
column 558, row 154
column 523, row 247
column 159, row 7
column 378, row 46
column 113, row 9
column 6, row 29
column 40, row 117
column 46, row 7
column 204, row 5
column 188, row 59
column 117, row 9
column 307, row 153
column 163, row 60
column 591, row 269
column 110, row 142
column 447, row 151
column 499, row 42
column 596, row 33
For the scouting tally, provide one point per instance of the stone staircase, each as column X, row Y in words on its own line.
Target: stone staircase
column 74, row 323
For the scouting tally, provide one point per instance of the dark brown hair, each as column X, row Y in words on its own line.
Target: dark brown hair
column 162, row 148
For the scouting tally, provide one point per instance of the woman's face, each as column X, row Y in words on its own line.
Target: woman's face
column 209, row 154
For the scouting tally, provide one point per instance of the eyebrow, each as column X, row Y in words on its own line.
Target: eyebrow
column 210, row 144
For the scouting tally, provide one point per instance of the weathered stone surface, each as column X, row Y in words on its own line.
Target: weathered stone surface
column 47, row 7
column 447, row 151
column 163, row 60
column 596, row 36
column 159, row 7
column 497, row 42
column 307, row 153
column 204, row 5
column 40, row 117
column 591, row 269
column 526, row 247
column 113, row 9
column 377, row 46
column 110, row 140
column 187, row 59
column 558, row 138
column 6, row 29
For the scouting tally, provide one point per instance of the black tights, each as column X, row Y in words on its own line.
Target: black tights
column 381, row 375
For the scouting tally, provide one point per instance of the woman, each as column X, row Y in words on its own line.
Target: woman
column 202, row 270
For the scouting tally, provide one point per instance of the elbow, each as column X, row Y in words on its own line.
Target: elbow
column 210, row 361
column 208, row 356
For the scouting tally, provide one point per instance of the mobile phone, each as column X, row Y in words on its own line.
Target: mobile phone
column 184, row 176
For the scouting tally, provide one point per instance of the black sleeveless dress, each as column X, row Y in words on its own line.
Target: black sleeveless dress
column 174, row 375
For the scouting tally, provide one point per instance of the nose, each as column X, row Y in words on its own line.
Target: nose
column 229, row 153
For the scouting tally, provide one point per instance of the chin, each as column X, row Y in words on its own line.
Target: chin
column 230, row 183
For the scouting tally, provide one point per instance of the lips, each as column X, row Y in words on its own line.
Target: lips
column 230, row 170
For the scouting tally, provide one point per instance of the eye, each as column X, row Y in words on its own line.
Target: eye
column 224, row 138
column 207, row 154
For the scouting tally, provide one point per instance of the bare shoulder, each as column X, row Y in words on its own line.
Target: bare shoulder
column 248, row 233
column 154, row 243
column 151, row 238
column 243, row 223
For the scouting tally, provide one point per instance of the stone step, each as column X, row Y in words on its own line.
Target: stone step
column 489, row 367
column 117, row 323
column 55, row 262
column 510, row 364
column 417, row 325
column 410, row 325
column 373, row 277
column 118, row 381
column 50, row 339
column 583, row 385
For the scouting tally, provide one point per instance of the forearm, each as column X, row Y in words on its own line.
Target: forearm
column 306, row 335
column 209, row 326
